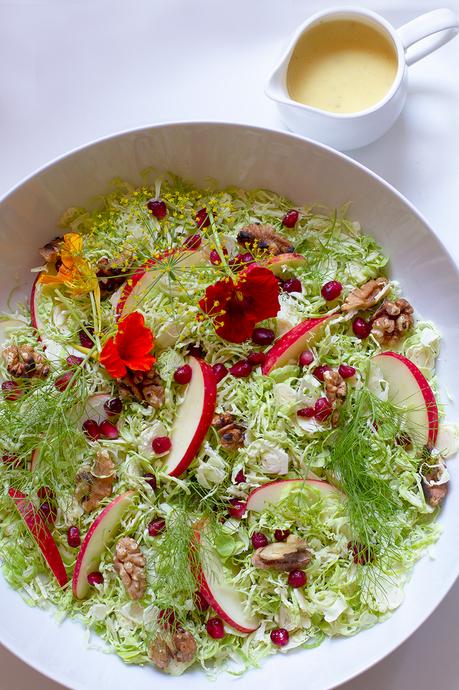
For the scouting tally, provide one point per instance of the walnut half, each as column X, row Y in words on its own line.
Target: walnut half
column 366, row 296
column 96, row 483
column 392, row 321
column 231, row 434
column 130, row 564
column 180, row 647
column 265, row 237
column 290, row 555
column 434, row 492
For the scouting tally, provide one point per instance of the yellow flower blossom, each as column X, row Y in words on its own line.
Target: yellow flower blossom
column 74, row 272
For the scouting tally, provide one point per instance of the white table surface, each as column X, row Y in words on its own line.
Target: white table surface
column 74, row 70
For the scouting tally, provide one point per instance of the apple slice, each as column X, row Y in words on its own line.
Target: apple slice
column 275, row 492
column 145, row 278
column 276, row 263
column 194, row 417
column 218, row 591
column 410, row 391
column 290, row 345
column 40, row 532
column 96, row 541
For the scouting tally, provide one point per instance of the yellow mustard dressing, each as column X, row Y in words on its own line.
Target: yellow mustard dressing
column 342, row 66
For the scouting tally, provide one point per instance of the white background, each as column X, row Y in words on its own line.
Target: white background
column 74, row 70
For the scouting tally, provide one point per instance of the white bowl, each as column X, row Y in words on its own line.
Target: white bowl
column 306, row 172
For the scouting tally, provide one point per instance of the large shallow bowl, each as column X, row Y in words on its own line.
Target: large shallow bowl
column 306, row 172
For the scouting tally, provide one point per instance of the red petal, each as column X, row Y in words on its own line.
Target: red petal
column 135, row 342
column 261, row 287
column 110, row 359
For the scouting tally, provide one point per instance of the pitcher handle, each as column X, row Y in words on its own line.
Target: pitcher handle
column 441, row 24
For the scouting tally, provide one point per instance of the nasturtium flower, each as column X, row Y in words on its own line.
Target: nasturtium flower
column 74, row 271
column 130, row 349
column 235, row 306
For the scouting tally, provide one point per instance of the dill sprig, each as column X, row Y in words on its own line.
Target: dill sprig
column 368, row 427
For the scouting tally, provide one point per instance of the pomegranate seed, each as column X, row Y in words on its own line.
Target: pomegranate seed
column 202, row 218
column 259, row 540
column 279, row 637
column 297, row 578
column 241, row 369
column 331, row 290
column 346, row 371
column 220, row 371
column 151, row 480
column 307, row 412
column 161, row 444
column 48, row 513
column 192, row 241
column 201, row 602
column 320, row 371
column 12, row 390
column 73, row 537
column 240, row 477
column 281, row 534
column 290, row 219
column 113, row 407
column 166, row 617
column 44, row 493
column 74, row 361
column 63, row 381
column 158, row 208
column 183, row 374
column 256, row 358
column 196, row 350
column 323, row 409
column 292, row 285
column 361, row 328
column 361, row 554
column 240, row 259
column 215, row 258
column 155, row 527
column 263, row 336
column 108, row 430
column 306, row 358
column 237, row 508
column 91, row 429
column 95, row 578
column 215, row 629
column 85, row 339
column 11, row 460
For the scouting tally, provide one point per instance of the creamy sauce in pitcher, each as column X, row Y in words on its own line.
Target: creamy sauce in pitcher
column 342, row 66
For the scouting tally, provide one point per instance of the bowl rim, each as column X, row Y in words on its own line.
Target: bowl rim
column 446, row 584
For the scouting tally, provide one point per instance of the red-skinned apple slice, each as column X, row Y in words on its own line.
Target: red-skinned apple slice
column 276, row 263
column 40, row 532
column 289, row 346
column 96, row 541
column 219, row 593
column 193, row 418
column 144, row 277
column 274, row 492
column 410, row 391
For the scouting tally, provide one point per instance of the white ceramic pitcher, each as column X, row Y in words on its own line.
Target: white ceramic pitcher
column 351, row 130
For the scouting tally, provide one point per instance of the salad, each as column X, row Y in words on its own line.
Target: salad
column 219, row 428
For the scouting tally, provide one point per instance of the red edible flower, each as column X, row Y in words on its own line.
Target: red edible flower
column 237, row 305
column 130, row 348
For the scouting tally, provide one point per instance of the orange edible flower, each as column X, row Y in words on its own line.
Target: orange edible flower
column 74, row 272
column 130, row 349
